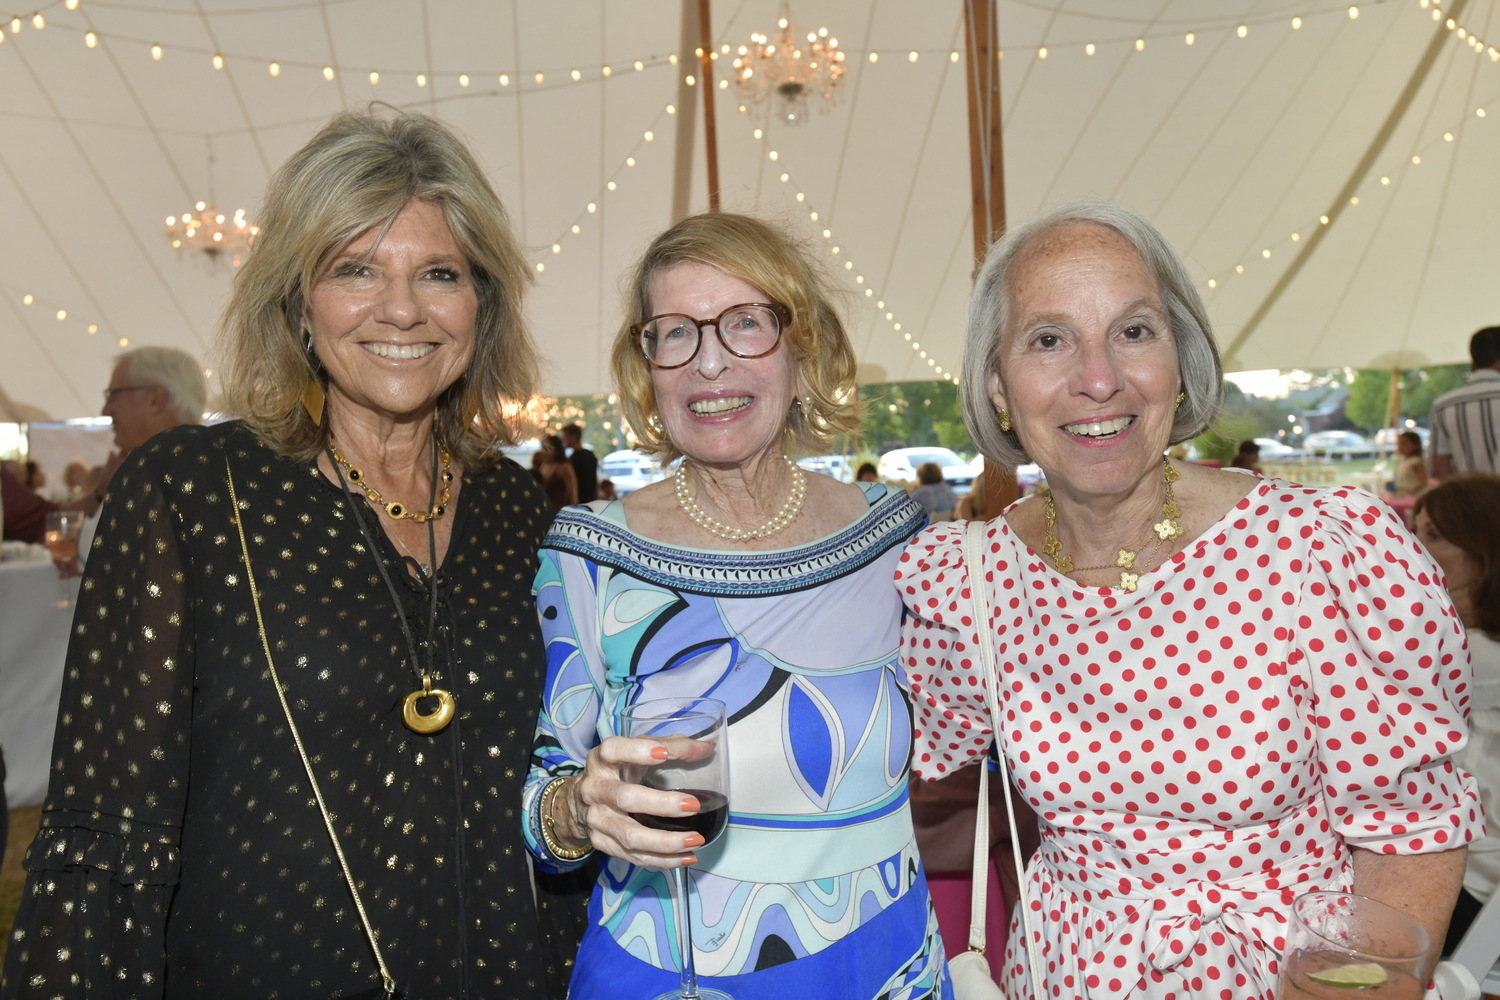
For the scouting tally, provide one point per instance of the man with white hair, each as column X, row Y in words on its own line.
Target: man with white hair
column 152, row 389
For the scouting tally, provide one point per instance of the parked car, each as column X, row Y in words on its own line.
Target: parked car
column 900, row 466
column 1272, row 450
column 1386, row 438
column 1344, row 444
column 836, row 466
column 629, row 470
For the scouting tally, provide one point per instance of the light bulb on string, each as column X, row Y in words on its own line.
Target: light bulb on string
column 463, row 79
column 504, row 80
column 91, row 39
column 328, row 72
column 218, row 61
column 374, row 77
column 156, row 52
column 38, row 21
column 274, row 69
column 1296, row 24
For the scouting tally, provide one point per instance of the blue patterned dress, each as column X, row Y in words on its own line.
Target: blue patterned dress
column 815, row 889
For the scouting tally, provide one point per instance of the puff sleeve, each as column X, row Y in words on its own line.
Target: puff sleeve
column 939, row 649
column 1383, row 653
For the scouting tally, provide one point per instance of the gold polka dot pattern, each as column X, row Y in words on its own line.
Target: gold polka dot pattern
column 181, row 852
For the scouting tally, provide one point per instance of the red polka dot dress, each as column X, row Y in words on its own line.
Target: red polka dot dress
column 1201, row 751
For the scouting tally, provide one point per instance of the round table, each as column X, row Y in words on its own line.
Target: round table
column 33, row 646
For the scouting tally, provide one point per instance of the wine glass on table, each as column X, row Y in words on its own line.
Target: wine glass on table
column 1346, row 947
column 696, row 731
column 61, row 536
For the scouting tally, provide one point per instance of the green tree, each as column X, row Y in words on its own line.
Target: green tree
column 1369, row 399
column 1370, row 391
column 913, row 415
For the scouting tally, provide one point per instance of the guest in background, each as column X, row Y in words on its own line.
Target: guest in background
column 152, row 389
column 971, row 507
column 1248, row 457
column 1411, row 470
column 1456, row 523
column 607, row 490
column 1463, row 420
column 585, row 464
column 35, row 477
column 867, row 473
column 25, row 511
column 79, row 478
column 933, row 493
column 556, row 473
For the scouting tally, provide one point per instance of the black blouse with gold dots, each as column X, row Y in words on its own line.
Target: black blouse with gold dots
column 181, row 851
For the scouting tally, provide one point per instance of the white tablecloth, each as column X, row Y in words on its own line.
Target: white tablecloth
column 33, row 645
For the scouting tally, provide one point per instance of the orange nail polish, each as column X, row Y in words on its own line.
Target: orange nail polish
column 691, row 859
column 690, row 805
column 660, row 753
column 692, row 840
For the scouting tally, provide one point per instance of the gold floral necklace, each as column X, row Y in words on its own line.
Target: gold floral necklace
column 1167, row 530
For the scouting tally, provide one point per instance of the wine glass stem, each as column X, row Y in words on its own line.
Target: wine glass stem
column 685, row 936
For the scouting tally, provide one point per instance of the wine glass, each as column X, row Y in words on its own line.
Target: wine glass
column 1340, row 945
column 62, row 531
column 696, row 730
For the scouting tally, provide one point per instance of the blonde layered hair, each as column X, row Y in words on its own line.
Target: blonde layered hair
column 358, row 172
column 762, row 255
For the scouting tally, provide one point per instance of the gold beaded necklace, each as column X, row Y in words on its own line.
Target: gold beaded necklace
column 1167, row 530
column 395, row 508
column 778, row 522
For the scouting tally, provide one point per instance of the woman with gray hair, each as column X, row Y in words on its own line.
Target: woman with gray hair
column 1217, row 691
column 295, row 718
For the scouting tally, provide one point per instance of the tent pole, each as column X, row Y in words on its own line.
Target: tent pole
column 682, row 165
column 710, row 135
column 986, row 177
column 1341, row 201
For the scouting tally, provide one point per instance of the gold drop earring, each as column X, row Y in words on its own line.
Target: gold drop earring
column 313, row 396
column 1005, row 420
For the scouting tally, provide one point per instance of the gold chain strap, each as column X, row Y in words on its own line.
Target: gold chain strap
column 387, row 982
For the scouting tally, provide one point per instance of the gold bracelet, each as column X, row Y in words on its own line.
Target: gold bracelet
column 549, row 832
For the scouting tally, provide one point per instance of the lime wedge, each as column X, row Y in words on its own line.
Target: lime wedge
column 1363, row 976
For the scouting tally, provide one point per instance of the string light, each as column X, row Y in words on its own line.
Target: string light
column 1296, row 24
column 1242, row 30
column 1385, row 181
column 374, row 78
column 39, row 21
column 218, row 61
column 328, row 72
column 275, row 69
column 1190, row 39
column 1089, row 48
column 421, row 79
column 91, row 39
column 156, row 52
column 463, row 79
column 59, row 311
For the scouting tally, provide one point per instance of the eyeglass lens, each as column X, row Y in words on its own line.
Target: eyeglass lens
column 747, row 331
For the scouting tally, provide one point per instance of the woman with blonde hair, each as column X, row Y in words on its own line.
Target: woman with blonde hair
column 289, row 750
column 746, row 580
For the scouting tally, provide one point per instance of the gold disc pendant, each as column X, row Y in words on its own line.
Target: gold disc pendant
column 434, row 722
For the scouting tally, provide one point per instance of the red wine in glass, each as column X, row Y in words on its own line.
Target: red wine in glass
column 695, row 731
column 708, row 822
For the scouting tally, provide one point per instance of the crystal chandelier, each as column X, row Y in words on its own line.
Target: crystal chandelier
column 213, row 234
column 790, row 73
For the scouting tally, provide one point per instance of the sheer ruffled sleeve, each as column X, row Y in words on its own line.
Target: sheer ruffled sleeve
column 1384, row 654
column 939, row 651
column 102, row 869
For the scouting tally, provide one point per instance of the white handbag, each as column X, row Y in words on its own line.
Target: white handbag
column 970, row 970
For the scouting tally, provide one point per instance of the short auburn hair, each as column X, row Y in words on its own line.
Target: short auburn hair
column 765, row 256
column 359, row 172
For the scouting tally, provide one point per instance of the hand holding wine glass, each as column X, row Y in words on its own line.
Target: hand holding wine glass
column 694, row 731
column 602, row 806
column 62, row 529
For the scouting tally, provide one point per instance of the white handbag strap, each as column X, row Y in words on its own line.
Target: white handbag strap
column 979, row 594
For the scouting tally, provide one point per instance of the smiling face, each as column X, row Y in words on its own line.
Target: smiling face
column 719, row 409
column 393, row 322
column 1088, row 367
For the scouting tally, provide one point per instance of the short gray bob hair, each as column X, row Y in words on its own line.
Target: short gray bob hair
column 1198, row 361
column 175, row 371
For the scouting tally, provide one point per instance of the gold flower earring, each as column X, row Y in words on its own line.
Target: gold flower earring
column 1181, row 396
column 1005, row 420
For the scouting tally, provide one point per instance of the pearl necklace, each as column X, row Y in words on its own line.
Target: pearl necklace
column 703, row 519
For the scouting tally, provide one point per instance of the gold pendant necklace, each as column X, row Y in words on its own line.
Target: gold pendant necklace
column 1167, row 530
column 395, row 508
column 433, row 722
column 778, row 522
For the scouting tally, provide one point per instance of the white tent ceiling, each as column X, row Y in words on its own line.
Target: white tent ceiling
column 1230, row 145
